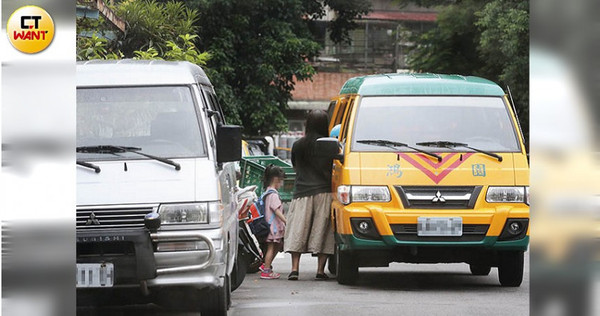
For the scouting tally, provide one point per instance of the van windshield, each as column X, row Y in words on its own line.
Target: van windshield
column 481, row 122
column 161, row 120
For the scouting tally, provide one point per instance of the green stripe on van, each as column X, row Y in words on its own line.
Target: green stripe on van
column 350, row 242
column 420, row 84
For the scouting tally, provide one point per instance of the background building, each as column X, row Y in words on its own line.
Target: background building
column 378, row 45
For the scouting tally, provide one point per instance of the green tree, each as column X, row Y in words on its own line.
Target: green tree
column 153, row 24
column 450, row 47
column 154, row 30
column 91, row 40
column 94, row 48
column 504, row 44
column 259, row 48
column 483, row 38
column 188, row 52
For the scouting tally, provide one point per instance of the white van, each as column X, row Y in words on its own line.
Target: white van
column 155, row 186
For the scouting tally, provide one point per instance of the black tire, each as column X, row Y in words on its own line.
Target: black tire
column 253, row 268
column 216, row 301
column 510, row 268
column 179, row 299
column 480, row 269
column 332, row 264
column 229, row 290
column 240, row 268
column 347, row 267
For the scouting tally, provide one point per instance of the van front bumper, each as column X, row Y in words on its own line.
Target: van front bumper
column 394, row 228
column 138, row 264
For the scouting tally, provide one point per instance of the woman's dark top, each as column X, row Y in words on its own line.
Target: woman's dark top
column 313, row 172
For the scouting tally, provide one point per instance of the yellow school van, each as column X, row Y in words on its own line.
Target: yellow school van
column 427, row 169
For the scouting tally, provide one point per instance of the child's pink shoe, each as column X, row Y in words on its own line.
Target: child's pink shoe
column 269, row 275
column 262, row 268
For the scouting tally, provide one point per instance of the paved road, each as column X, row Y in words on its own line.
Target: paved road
column 401, row 289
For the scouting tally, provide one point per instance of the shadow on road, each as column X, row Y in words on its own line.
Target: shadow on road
column 146, row 310
column 386, row 280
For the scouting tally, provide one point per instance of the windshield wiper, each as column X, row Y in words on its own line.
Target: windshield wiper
column 393, row 145
column 105, row 149
column 447, row 144
column 111, row 149
column 89, row 165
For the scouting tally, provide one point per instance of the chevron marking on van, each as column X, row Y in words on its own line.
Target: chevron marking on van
column 436, row 171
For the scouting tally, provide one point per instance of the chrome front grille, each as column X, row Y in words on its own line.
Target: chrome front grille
column 438, row 197
column 90, row 218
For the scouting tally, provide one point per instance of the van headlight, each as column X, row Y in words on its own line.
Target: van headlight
column 343, row 194
column 189, row 213
column 355, row 193
column 507, row 195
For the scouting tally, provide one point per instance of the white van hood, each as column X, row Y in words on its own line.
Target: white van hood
column 146, row 181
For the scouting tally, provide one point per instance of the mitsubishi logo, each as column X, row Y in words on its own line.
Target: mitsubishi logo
column 438, row 198
column 92, row 220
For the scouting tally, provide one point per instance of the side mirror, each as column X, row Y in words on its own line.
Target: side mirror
column 229, row 143
column 335, row 131
column 329, row 147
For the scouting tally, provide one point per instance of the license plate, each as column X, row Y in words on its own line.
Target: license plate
column 95, row 274
column 439, row 226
